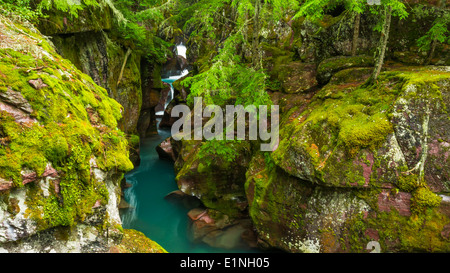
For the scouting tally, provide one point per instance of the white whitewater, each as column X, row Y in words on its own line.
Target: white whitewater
column 181, row 51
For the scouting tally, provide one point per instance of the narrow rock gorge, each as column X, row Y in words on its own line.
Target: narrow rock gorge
column 362, row 156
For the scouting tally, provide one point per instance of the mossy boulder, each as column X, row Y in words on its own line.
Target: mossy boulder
column 136, row 242
column 386, row 145
column 296, row 77
column 217, row 182
column 327, row 68
column 349, row 134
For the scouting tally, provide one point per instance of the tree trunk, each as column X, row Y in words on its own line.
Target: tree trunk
column 356, row 33
column 442, row 5
column 431, row 53
column 255, row 42
column 383, row 43
column 123, row 65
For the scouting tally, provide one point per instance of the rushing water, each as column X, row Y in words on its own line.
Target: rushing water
column 181, row 50
column 163, row 221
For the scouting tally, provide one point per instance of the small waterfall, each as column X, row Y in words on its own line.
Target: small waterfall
column 181, row 51
column 170, row 80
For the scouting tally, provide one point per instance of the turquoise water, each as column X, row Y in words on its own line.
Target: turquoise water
column 165, row 222
column 162, row 220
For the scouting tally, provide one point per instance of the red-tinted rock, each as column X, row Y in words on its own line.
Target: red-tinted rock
column 165, row 150
column 400, row 201
column 5, row 184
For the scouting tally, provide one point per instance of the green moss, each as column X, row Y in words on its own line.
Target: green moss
column 417, row 233
column 134, row 241
column 355, row 118
column 362, row 131
column 423, row 198
column 408, row 182
column 133, row 140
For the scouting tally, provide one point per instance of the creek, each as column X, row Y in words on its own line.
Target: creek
column 160, row 219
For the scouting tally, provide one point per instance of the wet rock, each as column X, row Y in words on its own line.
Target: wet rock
column 188, row 201
column 167, row 120
column 174, row 66
column 124, row 204
column 163, row 98
column 37, row 84
column 16, row 99
column 5, row 184
column 218, row 184
column 217, row 230
column 165, row 151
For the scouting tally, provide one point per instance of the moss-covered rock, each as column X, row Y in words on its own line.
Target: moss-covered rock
column 350, row 136
column 61, row 148
column 135, row 242
column 328, row 67
column 94, row 18
column 216, row 181
column 387, row 139
column 100, row 57
column 293, row 214
column 296, row 77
